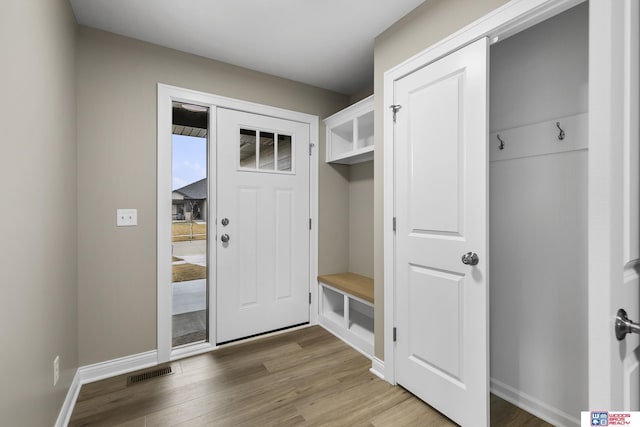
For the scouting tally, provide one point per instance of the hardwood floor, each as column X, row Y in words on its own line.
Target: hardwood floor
column 302, row 378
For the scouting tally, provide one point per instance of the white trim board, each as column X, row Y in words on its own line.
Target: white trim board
column 64, row 416
column 111, row 368
column 613, row 219
column 122, row 365
column 344, row 340
column 540, row 138
column 135, row 362
column 533, row 406
column 167, row 94
column 99, row 371
column 377, row 367
column 631, row 132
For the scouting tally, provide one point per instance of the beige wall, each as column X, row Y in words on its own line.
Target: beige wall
column 333, row 241
column 427, row 24
column 361, row 218
column 38, row 215
column 117, row 80
column 361, row 94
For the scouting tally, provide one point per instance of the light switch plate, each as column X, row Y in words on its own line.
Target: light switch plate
column 127, row 217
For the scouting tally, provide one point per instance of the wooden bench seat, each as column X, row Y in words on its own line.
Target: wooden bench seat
column 350, row 283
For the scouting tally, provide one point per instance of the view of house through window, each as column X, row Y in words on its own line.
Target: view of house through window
column 189, row 215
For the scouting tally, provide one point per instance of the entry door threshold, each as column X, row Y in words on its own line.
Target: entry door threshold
column 265, row 334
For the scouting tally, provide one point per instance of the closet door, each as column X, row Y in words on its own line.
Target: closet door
column 441, row 235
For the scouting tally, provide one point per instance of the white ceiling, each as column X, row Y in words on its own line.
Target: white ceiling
column 324, row 43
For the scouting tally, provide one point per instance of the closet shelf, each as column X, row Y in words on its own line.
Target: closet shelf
column 350, row 134
column 357, row 156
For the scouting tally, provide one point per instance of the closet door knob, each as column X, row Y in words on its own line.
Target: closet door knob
column 470, row 258
column 625, row 326
column 224, row 238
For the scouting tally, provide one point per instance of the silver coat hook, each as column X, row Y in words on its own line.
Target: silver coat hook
column 561, row 136
column 501, row 145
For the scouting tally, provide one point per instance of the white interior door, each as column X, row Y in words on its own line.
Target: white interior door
column 262, row 224
column 614, row 203
column 441, row 209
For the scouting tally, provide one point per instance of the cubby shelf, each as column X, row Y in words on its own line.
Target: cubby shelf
column 350, row 134
column 346, row 309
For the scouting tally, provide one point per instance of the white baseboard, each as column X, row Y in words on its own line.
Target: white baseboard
column 69, row 402
column 336, row 333
column 111, row 368
column 122, row 365
column 377, row 367
column 534, row 406
column 99, row 371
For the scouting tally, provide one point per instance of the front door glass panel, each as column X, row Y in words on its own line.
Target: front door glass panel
column 189, row 225
column 265, row 151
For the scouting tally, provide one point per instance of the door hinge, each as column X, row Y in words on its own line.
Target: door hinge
column 394, row 223
column 311, row 145
column 309, row 298
column 394, row 334
column 395, row 108
column 309, row 223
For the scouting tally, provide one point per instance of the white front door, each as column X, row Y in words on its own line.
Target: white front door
column 441, row 210
column 262, row 224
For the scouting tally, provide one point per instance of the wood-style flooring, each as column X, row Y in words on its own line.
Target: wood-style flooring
column 305, row 377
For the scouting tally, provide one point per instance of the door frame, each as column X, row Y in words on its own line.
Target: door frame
column 609, row 86
column 166, row 95
column 614, row 199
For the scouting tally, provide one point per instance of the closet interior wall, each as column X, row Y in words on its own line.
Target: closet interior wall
column 538, row 206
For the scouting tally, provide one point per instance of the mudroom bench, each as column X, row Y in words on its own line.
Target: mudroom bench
column 346, row 309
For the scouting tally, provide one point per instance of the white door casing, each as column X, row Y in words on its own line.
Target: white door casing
column 441, row 210
column 614, row 366
column 503, row 22
column 166, row 95
column 262, row 270
column 613, row 182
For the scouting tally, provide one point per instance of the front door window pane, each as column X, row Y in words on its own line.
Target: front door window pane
column 284, row 153
column 247, row 148
column 266, row 151
column 267, row 148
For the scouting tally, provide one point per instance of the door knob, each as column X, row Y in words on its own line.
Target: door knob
column 625, row 326
column 224, row 238
column 470, row 258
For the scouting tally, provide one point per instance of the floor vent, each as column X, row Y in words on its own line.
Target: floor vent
column 138, row 378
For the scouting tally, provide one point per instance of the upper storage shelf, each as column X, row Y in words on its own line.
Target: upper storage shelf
column 350, row 134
